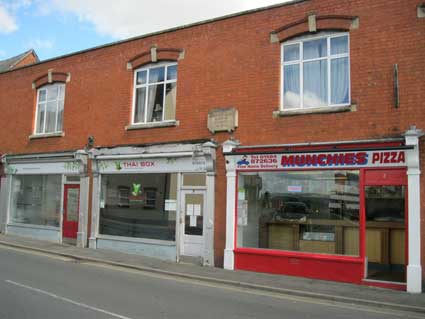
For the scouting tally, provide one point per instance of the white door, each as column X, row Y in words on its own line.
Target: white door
column 192, row 220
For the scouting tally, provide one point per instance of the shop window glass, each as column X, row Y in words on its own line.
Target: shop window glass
column 134, row 206
column 36, row 200
column 315, row 212
column 385, row 232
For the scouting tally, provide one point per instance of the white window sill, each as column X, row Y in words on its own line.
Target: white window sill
column 318, row 110
column 46, row 135
column 140, row 126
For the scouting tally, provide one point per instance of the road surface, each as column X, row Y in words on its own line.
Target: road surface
column 34, row 285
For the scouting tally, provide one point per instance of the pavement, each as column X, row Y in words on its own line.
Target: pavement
column 277, row 284
column 35, row 285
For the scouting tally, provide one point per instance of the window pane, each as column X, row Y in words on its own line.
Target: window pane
column 316, row 212
column 339, row 81
column 72, row 201
column 156, row 74
column 60, row 116
column 155, row 103
column 52, row 92
column 315, row 83
column 133, row 206
column 170, row 101
column 51, row 117
column 291, row 86
column 141, row 77
column 291, row 52
column 315, row 49
column 339, row 45
column 172, row 72
column 139, row 111
column 36, row 200
column 193, row 211
column 42, row 95
column 40, row 117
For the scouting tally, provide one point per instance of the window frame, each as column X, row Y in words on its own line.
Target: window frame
column 147, row 85
column 45, row 88
column 329, row 57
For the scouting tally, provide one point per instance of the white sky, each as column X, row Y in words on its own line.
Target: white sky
column 126, row 18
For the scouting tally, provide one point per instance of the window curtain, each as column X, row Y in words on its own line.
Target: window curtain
column 315, row 73
column 291, row 86
column 315, row 83
column 339, row 80
column 151, row 102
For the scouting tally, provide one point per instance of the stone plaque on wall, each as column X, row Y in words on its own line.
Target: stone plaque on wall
column 222, row 120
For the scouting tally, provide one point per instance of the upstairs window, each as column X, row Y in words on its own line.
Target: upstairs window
column 49, row 115
column 316, row 72
column 155, row 93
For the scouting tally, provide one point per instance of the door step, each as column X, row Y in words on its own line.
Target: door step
column 192, row 260
column 70, row 241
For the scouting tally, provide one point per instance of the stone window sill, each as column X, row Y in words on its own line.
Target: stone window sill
column 141, row 126
column 46, row 135
column 319, row 110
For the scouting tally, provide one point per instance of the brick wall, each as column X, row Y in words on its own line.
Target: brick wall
column 226, row 63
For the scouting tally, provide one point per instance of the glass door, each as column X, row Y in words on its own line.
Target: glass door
column 193, row 205
column 386, row 232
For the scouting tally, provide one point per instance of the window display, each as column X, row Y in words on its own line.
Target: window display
column 36, row 200
column 134, row 206
column 316, row 212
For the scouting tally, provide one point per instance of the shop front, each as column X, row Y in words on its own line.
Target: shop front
column 340, row 211
column 44, row 196
column 155, row 201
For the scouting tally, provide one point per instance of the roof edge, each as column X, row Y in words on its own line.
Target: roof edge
column 31, row 51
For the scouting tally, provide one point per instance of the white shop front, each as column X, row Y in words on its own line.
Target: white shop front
column 155, row 201
column 45, row 196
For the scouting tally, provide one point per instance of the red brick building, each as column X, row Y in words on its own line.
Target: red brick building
column 312, row 100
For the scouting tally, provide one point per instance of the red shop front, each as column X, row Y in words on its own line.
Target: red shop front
column 328, row 211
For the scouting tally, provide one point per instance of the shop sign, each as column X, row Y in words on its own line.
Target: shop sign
column 322, row 160
column 43, row 168
column 174, row 164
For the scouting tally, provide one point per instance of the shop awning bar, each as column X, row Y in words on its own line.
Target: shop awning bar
column 329, row 150
column 153, row 155
column 335, row 143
